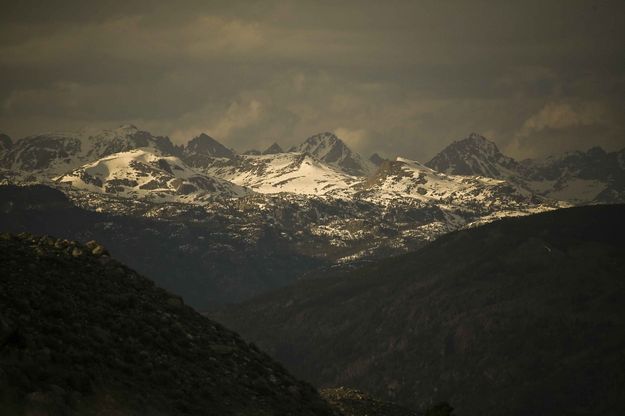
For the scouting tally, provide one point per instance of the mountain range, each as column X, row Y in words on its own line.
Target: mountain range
column 321, row 165
column 519, row 316
column 317, row 205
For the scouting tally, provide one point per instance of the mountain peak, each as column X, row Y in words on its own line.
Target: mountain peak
column 476, row 136
column 473, row 155
column 325, row 137
column 273, row 149
column 204, row 145
column 328, row 148
column 478, row 141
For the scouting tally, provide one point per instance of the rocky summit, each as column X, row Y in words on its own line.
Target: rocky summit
column 82, row 334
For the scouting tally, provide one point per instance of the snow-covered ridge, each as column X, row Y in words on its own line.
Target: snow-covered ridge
column 52, row 154
column 145, row 173
column 297, row 173
column 593, row 176
column 320, row 195
column 404, row 178
column 323, row 165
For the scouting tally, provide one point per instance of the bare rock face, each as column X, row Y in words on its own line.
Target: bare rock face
column 201, row 150
column 273, row 149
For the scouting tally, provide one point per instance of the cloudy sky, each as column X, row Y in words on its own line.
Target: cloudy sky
column 396, row 77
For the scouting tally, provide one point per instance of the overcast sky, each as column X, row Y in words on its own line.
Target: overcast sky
column 396, row 77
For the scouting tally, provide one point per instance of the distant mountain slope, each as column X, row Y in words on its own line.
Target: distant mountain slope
column 474, row 155
column 331, row 150
column 594, row 175
column 521, row 316
column 54, row 154
column 578, row 177
column 297, row 173
column 148, row 174
column 403, row 178
column 82, row 334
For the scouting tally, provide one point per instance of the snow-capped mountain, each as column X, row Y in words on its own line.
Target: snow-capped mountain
column 146, row 174
column 320, row 194
column 403, row 178
column 333, row 151
column 320, row 203
column 594, row 176
column 474, row 156
column 297, row 173
column 53, row 154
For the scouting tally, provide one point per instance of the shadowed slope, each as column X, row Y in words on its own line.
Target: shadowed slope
column 521, row 316
column 82, row 334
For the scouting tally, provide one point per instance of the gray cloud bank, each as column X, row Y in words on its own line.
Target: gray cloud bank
column 396, row 77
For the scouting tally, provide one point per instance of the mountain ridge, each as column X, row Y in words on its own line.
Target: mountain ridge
column 580, row 177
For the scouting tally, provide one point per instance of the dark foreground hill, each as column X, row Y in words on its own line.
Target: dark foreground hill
column 81, row 334
column 519, row 317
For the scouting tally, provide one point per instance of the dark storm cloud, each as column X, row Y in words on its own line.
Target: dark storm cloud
column 402, row 77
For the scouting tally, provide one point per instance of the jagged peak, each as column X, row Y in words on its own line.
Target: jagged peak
column 326, row 138
column 273, row 149
column 476, row 136
column 328, row 148
column 479, row 141
column 205, row 144
column 326, row 135
column 202, row 137
column 473, row 155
